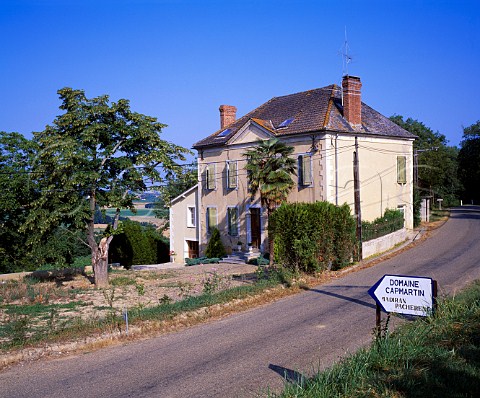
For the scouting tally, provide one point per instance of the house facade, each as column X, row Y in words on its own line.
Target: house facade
column 184, row 226
column 322, row 126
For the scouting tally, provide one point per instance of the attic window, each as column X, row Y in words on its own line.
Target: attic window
column 224, row 133
column 285, row 123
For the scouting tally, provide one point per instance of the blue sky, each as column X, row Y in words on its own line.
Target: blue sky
column 178, row 60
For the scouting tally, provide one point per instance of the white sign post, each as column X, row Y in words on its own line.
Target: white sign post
column 408, row 295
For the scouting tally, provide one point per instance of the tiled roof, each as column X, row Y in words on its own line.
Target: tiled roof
column 314, row 110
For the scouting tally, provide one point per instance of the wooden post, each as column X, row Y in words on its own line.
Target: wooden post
column 378, row 319
column 434, row 293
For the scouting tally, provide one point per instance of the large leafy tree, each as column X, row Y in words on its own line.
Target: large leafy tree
column 96, row 154
column 16, row 193
column 469, row 162
column 270, row 169
column 436, row 160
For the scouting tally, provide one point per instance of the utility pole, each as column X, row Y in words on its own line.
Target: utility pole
column 356, row 187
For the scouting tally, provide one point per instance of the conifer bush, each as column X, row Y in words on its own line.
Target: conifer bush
column 215, row 246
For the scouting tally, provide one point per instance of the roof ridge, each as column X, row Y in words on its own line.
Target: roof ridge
column 329, row 87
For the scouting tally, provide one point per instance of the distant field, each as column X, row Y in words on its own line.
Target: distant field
column 128, row 213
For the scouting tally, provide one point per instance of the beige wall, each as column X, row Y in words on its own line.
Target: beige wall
column 332, row 171
column 223, row 197
column 181, row 229
column 379, row 189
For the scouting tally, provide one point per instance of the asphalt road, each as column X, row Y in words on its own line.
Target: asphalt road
column 245, row 353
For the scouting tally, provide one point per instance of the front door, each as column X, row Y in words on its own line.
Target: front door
column 255, row 224
column 192, row 249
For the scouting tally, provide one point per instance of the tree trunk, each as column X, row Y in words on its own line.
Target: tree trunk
column 100, row 266
column 270, row 238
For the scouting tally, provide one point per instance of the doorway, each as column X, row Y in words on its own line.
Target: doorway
column 255, row 225
column 192, row 248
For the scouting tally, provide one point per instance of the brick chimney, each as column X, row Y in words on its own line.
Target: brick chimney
column 352, row 100
column 228, row 114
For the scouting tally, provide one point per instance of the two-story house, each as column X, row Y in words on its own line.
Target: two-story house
column 321, row 125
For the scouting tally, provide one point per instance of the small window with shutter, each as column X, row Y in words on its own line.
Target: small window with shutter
column 232, row 174
column 210, row 176
column 401, row 170
column 305, row 170
column 211, row 218
column 232, row 217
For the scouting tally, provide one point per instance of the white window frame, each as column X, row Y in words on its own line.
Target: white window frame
column 210, row 170
column 229, row 176
column 191, row 216
column 301, row 167
column 237, row 226
column 207, row 213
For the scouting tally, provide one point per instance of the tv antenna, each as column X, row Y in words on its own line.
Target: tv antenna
column 346, row 58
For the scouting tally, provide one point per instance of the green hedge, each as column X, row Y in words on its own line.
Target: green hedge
column 138, row 244
column 309, row 237
column 391, row 221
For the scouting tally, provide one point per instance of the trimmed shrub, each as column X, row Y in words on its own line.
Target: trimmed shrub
column 201, row 260
column 215, row 246
column 309, row 237
column 391, row 221
column 138, row 244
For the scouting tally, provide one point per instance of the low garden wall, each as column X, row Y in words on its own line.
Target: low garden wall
column 383, row 243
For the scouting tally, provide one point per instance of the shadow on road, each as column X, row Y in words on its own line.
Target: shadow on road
column 342, row 297
column 466, row 212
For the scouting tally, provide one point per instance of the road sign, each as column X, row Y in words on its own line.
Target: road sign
column 408, row 295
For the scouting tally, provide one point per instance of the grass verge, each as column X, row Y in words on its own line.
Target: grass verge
column 433, row 357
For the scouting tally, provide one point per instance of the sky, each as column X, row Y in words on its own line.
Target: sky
column 179, row 60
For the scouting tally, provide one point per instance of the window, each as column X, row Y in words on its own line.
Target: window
column 232, row 217
column 210, row 176
column 305, row 170
column 224, row 133
column 401, row 170
column 191, row 216
column 211, row 218
column 286, row 122
column 232, row 174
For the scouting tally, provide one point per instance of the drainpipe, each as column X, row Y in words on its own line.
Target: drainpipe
column 336, row 169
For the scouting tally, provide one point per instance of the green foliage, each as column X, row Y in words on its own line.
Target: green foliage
column 417, row 207
column 138, row 245
column 469, row 161
column 260, row 260
column 94, row 155
column 122, row 281
column 437, row 162
column 313, row 236
column 391, row 221
column 212, row 282
column 270, row 169
column 17, row 191
column 201, row 260
column 215, row 246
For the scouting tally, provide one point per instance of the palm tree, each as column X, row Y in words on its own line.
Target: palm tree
column 270, row 169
